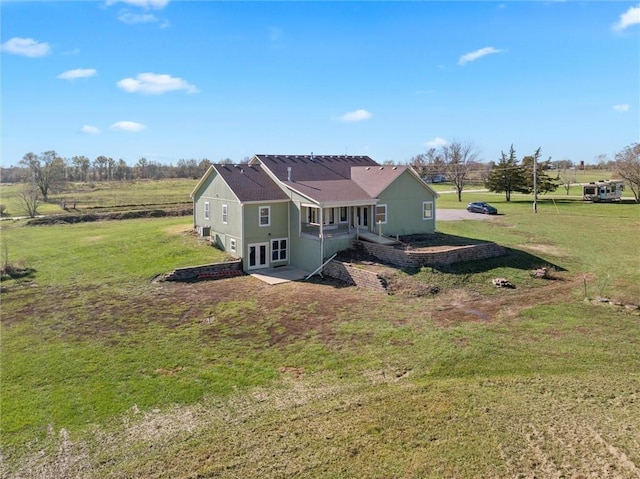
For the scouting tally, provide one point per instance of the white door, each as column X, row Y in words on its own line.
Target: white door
column 258, row 255
column 362, row 216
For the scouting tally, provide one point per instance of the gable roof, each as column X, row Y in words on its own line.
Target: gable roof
column 248, row 182
column 375, row 180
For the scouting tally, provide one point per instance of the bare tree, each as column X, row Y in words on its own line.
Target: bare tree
column 459, row 159
column 628, row 168
column 81, row 167
column 30, row 200
column 429, row 165
column 47, row 170
column 565, row 181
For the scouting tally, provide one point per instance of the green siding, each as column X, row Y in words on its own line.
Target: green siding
column 216, row 192
column 404, row 198
column 277, row 229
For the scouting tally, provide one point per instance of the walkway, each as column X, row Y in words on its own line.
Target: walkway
column 281, row 274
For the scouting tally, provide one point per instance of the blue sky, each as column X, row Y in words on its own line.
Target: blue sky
column 167, row 80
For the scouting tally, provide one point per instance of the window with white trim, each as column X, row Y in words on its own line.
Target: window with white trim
column 265, row 216
column 279, row 249
column 427, row 210
column 225, row 214
column 313, row 216
column 381, row 214
column 206, row 210
column 232, row 245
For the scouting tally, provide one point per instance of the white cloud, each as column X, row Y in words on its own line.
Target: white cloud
column 623, row 107
column 77, row 73
column 155, row 84
column 90, row 130
column 147, row 4
column 437, row 142
column 26, row 47
column 472, row 56
column 126, row 16
column 628, row 18
column 130, row 126
column 353, row 116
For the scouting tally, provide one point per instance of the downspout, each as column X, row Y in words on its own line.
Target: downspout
column 289, row 232
column 244, row 240
column 321, row 266
column 321, row 236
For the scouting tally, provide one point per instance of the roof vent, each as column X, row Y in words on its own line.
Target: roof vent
column 312, row 158
column 289, row 176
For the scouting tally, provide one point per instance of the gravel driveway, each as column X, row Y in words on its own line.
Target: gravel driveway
column 453, row 215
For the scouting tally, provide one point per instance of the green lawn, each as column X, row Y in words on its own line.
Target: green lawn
column 107, row 374
column 104, row 195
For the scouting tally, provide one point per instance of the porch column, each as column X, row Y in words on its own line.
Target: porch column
column 321, row 224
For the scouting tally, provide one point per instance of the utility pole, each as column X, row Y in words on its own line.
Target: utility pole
column 535, row 184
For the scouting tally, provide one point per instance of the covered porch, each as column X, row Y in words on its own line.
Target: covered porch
column 337, row 221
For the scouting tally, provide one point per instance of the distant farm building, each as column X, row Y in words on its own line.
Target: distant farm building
column 602, row 191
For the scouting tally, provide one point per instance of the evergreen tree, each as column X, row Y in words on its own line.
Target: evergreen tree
column 507, row 176
column 544, row 183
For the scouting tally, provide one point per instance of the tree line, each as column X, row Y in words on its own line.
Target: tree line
column 458, row 161
column 48, row 169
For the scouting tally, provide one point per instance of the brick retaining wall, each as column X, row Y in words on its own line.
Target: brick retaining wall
column 352, row 275
column 417, row 258
column 206, row 271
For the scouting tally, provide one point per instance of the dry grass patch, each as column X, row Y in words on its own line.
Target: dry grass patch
column 543, row 248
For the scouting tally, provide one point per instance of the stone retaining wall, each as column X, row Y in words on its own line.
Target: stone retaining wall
column 416, row 258
column 352, row 275
column 206, row 271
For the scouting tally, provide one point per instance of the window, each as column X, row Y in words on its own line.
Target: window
column 343, row 214
column 265, row 216
column 278, row 250
column 381, row 214
column 225, row 214
column 206, row 210
column 329, row 216
column 313, row 216
column 232, row 245
column 427, row 210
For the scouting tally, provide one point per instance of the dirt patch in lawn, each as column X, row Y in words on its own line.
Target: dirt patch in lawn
column 281, row 313
column 273, row 315
column 294, row 310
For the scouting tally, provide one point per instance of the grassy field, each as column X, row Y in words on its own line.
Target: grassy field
column 108, row 374
column 108, row 195
column 149, row 193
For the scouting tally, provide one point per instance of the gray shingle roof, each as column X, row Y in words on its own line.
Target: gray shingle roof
column 375, row 180
column 314, row 167
column 330, row 191
column 250, row 183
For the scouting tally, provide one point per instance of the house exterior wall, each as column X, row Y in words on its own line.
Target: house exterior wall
column 305, row 251
column 404, row 198
column 309, row 252
column 216, row 192
column 277, row 229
